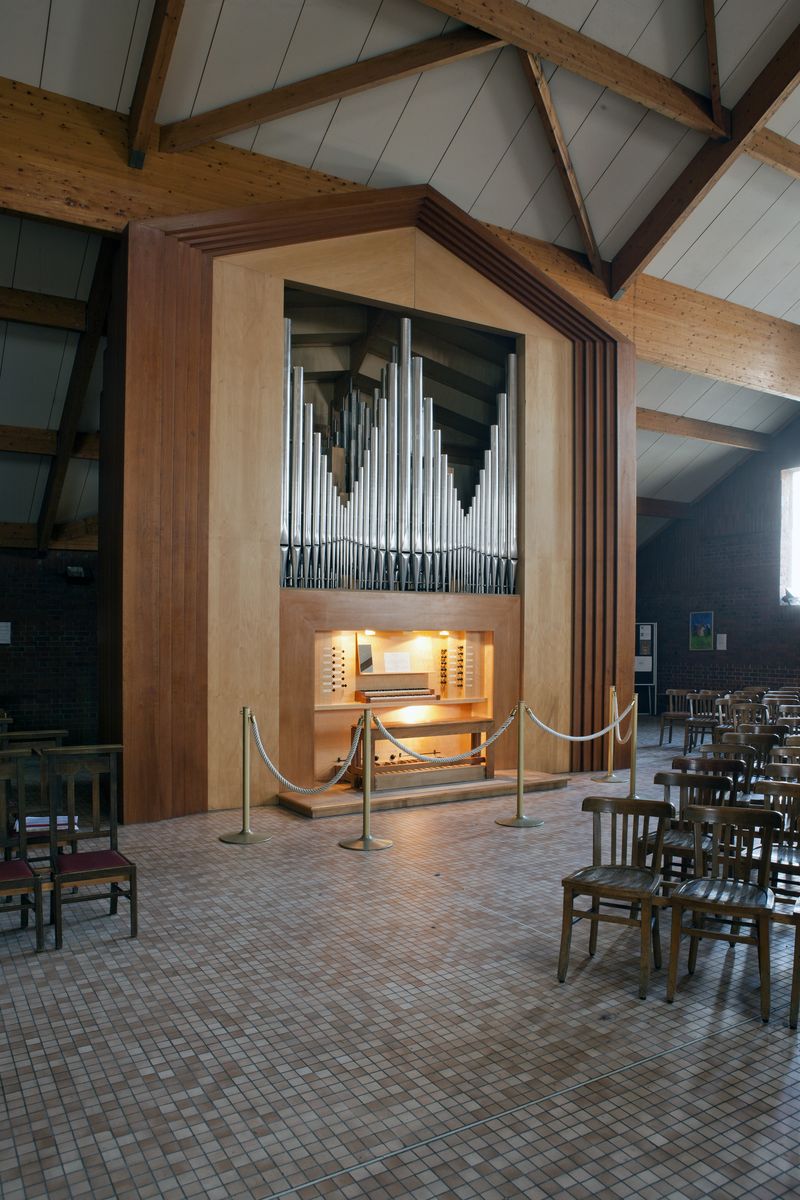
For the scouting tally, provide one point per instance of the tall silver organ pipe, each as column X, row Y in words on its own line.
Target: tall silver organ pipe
column 390, row 518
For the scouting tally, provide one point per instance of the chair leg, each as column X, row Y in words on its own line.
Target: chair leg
column 656, row 931
column 762, row 926
column 134, row 903
column 114, row 900
column 55, row 910
column 38, row 914
column 566, row 936
column 694, row 942
column 24, row 901
column 794, row 1002
column 594, row 928
column 674, row 947
column 644, row 958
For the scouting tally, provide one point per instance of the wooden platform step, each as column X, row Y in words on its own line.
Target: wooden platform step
column 342, row 799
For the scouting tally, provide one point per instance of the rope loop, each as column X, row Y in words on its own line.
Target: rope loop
column 438, row 758
column 584, row 737
column 622, row 741
column 294, row 787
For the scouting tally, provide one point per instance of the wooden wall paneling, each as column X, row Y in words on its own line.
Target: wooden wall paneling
column 622, row 359
column 244, row 524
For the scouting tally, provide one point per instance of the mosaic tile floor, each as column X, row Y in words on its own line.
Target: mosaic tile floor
column 296, row 1020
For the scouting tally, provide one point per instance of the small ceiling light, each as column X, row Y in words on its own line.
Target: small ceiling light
column 444, row 633
column 369, row 633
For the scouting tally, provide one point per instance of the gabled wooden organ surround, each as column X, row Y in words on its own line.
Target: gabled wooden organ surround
column 190, row 525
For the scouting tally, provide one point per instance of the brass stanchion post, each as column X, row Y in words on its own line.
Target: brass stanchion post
column 366, row 841
column 609, row 776
column 245, row 837
column 519, row 820
column 634, row 740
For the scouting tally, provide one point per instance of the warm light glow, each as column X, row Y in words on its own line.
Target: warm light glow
column 444, row 633
column 369, row 633
column 415, row 714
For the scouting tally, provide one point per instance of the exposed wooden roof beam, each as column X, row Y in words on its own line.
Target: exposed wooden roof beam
column 85, row 354
column 65, row 160
column 775, row 151
column 36, row 308
column 539, row 34
column 18, row 439
column 152, row 76
column 74, row 535
column 671, row 509
column 717, row 111
column 750, row 114
column 706, row 431
column 543, row 102
column 331, row 85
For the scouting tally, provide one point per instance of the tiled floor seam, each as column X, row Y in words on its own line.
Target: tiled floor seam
column 479, row 1122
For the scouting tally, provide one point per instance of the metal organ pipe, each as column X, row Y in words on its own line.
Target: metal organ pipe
column 395, row 520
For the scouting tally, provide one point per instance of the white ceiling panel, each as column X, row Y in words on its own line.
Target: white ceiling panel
column 79, row 497
column 359, row 130
column 141, row 24
column 520, row 173
column 19, row 474
column 701, row 472
column 545, row 215
column 492, row 122
column 23, row 40
column 783, row 298
column 770, row 230
column 87, row 48
column 748, row 35
column 767, row 274
column 34, row 374
column 192, row 46
column 52, row 259
column 297, row 138
column 429, row 121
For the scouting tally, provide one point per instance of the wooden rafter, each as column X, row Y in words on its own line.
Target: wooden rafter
column 777, row 80
column 18, row 439
column 331, row 85
column 74, row 535
column 646, row 506
column 36, row 308
column 775, row 151
column 543, row 102
column 717, row 111
column 706, row 431
column 152, row 76
column 85, row 354
column 512, row 22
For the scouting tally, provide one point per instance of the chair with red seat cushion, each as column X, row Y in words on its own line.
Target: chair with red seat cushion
column 81, row 784
column 20, row 886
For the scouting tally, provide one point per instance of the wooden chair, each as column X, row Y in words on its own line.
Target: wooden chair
column 692, row 789
column 738, row 752
column 780, row 731
column 734, row 769
column 787, row 771
column 748, row 711
column 619, row 879
column 676, row 712
column 783, row 797
column 81, row 781
column 762, row 743
column 33, row 739
column 20, row 886
column 789, row 714
column 724, row 894
column 702, row 719
column 785, row 754
column 794, row 1002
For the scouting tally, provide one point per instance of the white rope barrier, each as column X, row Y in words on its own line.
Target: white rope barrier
column 622, row 741
column 583, row 737
column 294, row 787
column 439, row 758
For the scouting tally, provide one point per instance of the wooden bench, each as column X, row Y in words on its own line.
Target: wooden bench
column 428, row 774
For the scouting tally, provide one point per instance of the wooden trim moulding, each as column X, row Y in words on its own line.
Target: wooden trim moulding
column 162, row 573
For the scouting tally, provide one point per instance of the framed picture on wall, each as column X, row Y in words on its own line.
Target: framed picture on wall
column 701, row 631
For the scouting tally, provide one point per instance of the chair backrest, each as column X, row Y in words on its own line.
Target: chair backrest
column 631, row 827
column 748, row 711
column 734, row 769
column 701, row 704
column 81, row 785
column 790, row 771
column 694, row 788
column 741, row 841
column 727, row 750
column 783, row 797
column 792, row 739
column 787, row 754
column 762, row 743
column 676, row 700
column 13, row 825
column 34, row 739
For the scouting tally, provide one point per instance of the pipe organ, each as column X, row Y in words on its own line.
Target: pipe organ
column 395, row 521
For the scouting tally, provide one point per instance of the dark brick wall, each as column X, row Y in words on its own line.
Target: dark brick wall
column 726, row 559
column 48, row 675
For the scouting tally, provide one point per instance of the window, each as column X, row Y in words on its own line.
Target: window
column 790, row 536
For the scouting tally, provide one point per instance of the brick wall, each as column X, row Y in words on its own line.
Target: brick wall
column 725, row 559
column 48, row 675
